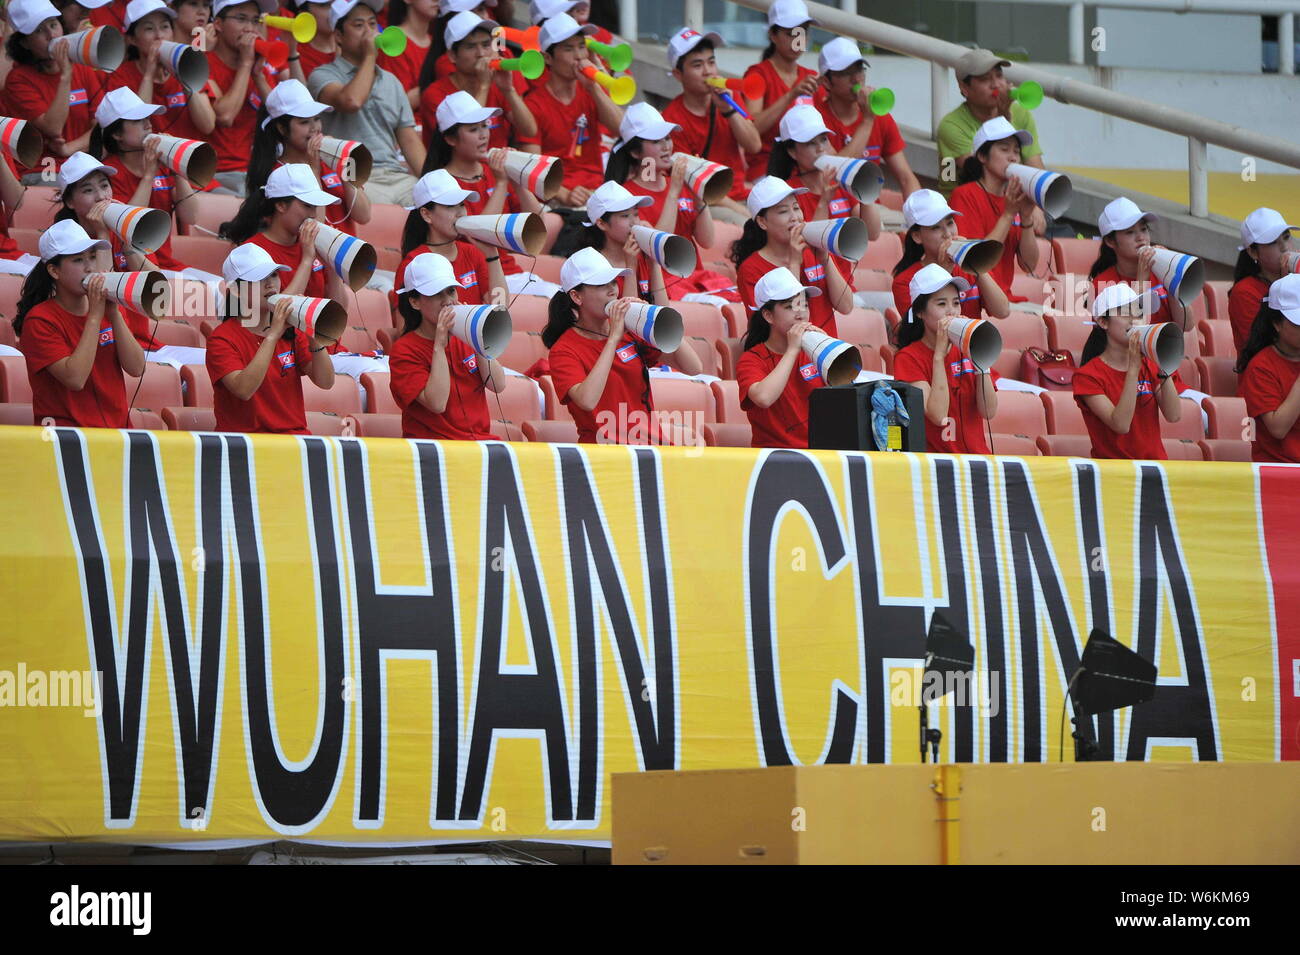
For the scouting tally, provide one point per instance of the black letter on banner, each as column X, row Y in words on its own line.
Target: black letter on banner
column 293, row 798
column 589, row 543
column 405, row 621
column 1099, row 601
column 995, row 648
column 151, row 549
column 954, row 561
column 512, row 700
column 786, row 477
column 1180, row 712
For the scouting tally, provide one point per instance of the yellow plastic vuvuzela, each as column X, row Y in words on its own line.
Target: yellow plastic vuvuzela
column 303, row 26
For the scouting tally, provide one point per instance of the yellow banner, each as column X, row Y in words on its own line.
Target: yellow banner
column 232, row 637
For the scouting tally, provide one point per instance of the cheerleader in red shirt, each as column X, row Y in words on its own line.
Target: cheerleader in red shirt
column 255, row 359
column 786, row 83
column 600, row 371
column 1265, row 245
column 321, row 49
column 1126, row 255
column 773, row 237
column 612, row 211
column 415, row 18
column 993, row 204
column 194, row 18
column 437, row 379
column 75, row 342
column 931, row 229
column 774, row 375
column 959, row 398
column 1122, row 393
column 189, row 113
column 1269, row 366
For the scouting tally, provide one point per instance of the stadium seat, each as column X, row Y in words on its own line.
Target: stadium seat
column 177, row 332
column 726, row 361
column 1227, row 417
column 872, row 358
column 37, row 210
column 891, row 199
column 369, row 309
column 551, row 432
column 16, row 413
column 190, row 419
column 863, row 326
column 1065, row 445
column 1225, row 449
column 7, row 335
column 1008, row 363
column 518, row 402
column 883, row 253
column 1216, row 339
column 146, row 419
column 379, row 398
column 1179, row 450
column 555, row 409
column 1019, row 412
column 13, row 379
column 384, row 230
column 343, row 398
column 528, row 313
column 327, row 423
column 872, row 280
column 1198, row 311
column 700, row 320
column 1074, row 255
column 726, row 398
column 1046, row 259
column 197, row 385
column 737, row 319
column 212, row 209
column 507, row 431
column 1062, row 411
column 1017, row 444
column 683, row 394
column 710, row 364
column 356, row 339
column 1068, row 333
column 201, row 251
column 1021, row 330
column 1030, row 287
column 1216, row 299
column 524, row 351
column 1217, row 375
column 728, row 435
column 887, row 356
column 1188, row 427
column 27, row 240
column 1191, row 375
column 377, row 425
column 159, row 387
column 385, row 337
column 732, row 349
column 892, row 318
column 724, row 234
column 546, row 267
column 11, row 287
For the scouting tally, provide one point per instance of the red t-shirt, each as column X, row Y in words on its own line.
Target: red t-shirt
column 776, row 88
column 1244, row 301
column 820, row 312
column 970, row 299
column 980, row 212
column 169, row 94
column 1267, row 381
column 110, row 15
column 470, row 266
column 693, row 135
column 8, row 247
column 688, row 207
column 405, row 67
column 915, row 363
column 485, row 185
column 1112, row 277
column 784, row 423
column 291, row 255
column 277, row 406
column 502, row 129
column 627, row 389
column 310, row 58
column 841, row 206
column 466, row 415
column 50, row 334
column 1143, row 440
column 124, row 186
column 234, row 143
column 28, row 94
column 571, row 131
column 883, row 141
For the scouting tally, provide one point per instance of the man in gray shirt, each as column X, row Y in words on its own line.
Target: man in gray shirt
column 369, row 103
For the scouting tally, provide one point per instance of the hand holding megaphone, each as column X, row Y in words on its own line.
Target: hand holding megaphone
column 1162, row 343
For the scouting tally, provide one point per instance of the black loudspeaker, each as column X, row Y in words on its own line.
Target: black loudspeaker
column 839, row 418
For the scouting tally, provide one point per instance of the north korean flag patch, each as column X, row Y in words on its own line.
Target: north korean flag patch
column 286, row 360
column 176, row 100
column 468, row 279
column 78, row 98
column 814, row 273
column 106, row 336
column 808, row 371
column 470, row 362
column 840, row 207
column 626, row 353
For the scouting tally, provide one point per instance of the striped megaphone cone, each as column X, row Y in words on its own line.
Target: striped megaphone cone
column 862, row 179
column 1162, row 344
column 1051, row 191
column 139, row 226
column 21, row 140
column 313, row 316
column 1290, row 262
column 484, row 328
column 710, row 181
column 657, row 325
column 340, row 152
column 1183, row 275
column 837, row 362
column 145, row 292
column 101, row 48
column 978, row 340
column 975, row 255
column 674, row 252
column 352, row 259
column 185, row 63
column 521, row 232
column 845, row 237
column 540, row 175
column 191, row 158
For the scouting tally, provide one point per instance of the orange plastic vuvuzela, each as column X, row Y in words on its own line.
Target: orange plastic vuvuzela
column 275, row 52
column 529, row 39
column 750, row 87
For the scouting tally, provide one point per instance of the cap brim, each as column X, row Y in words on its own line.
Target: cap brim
column 658, row 131
column 819, row 132
column 1144, row 217
column 126, row 25
column 465, row 196
column 603, row 279
column 419, row 291
column 1292, row 315
column 143, row 111
column 106, row 170
column 263, row 270
column 79, row 247
column 306, row 112
column 950, row 212
column 784, row 196
column 481, row 115
column 795, row 23
column 313, row 197
column 1284, row 228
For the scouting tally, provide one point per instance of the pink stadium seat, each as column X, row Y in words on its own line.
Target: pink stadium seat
column 1227, row 417
column 1008, row 363
column 1225, row 449
column 1188, row 427
column 370, row 310
column 683, row 394
column 1033, row 288
column 528, row 313
column 728, row 435
column 507, row 431
column 197, row 386
column 518, row 402
column 708, row 354
column 552, row 432
column 14, row 413
column 385, row 338
column 7, row 335
column 27, row 240
column 377, row 425
column 212, row 209
column 1063, row 414
column 872, row 358
column 384, row 230
column 724, row 234
column 887, row 356
column 863, row 326
column 11, row 287
column 146, row 420
column 726, row 397
column 1016, row 444
column 524, row 351
column 730, row 349
column 1216, row 298
column 1046, row 259
column 892, row 318
column 1019, row 412
column 1183, row 450
column 177, row 332
column 342, row 399
column 379, row 397
column 13, row 379
column 201, row 251
column 891, row 199
column 883, row 252
column 1065, row 445
column 1074, row 255
column 327, row 423
column 190, row 419
column 1021, row 330
column 546, row 267
column 159, row 387
column 872, row 280
column 737, row 318
column 555, row 409
column 1190, row 372
column 356, row 339
column 1217, row 375
column 1216, row 339
column 1068, row 333
column 700, row 320
column 37, row 210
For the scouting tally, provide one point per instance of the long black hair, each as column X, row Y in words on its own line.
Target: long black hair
column 1106, row 258
column 913, row 330
column 770, row 50
column 415, row 232
column 18, row 50
column 411, row 317
column 753, row 238
column 1094, row 346
column 440, row 150
column 780, row 161
column 101, row 137
column 1263, row 332
column 913, row 251
column 972, row 170
column 37, row 288
column 622, row 164
column 1247, row 266
column 397, row 11
column 254, row 213
column 759, row 330
column 268, row 142
column 437, row 47
column 561, row 315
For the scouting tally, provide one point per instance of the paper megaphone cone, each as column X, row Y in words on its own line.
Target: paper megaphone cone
column 521, row 232
column 1051, row 191
column 185, row 63
column 1162, row 344
column 656, row 325
column 1181, row 274
column 145, row 292
column 139, row 226
column 845, row 237
column 102, row 48
column 978, row 340
column 674, row 252
column 191, row 158
column 484, row 328
column 340, row 152
column 710, row 181
column 314, row 316
column 861, row 178
column 1290, row 261
column 837, row 362
column 540, row 175
column 352, row 259
column 975, row 255
column 21, row 140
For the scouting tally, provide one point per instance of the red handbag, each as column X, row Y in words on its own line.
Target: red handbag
column 1053, row 370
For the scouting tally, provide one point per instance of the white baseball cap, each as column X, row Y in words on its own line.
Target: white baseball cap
column 28, row 15
column 290, row 98
column 428, row 274
column 687, row 39
column 767, row 192
column 643, row 121
column 122, row 103
column 611, row 197
column 929, row 280
column 465, row 6
column 926, row 207
column 788, row 14
column 997, row 129
column 1119, row 214
column 462, row 107
column 839, row 54
column 542, row 10
column 802, row 124
column 297, row 180
column 1283, row 295
column 67, row 237
column 139, row 9
column 559, row 28
column 78, row 166
column 340, row 9
column 251, row 263
column 1263, row 226
column 779, row 285
column 441, row 187
column 588, row 267
column 266, row 6
column 1118, row 294
column 463, row 24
